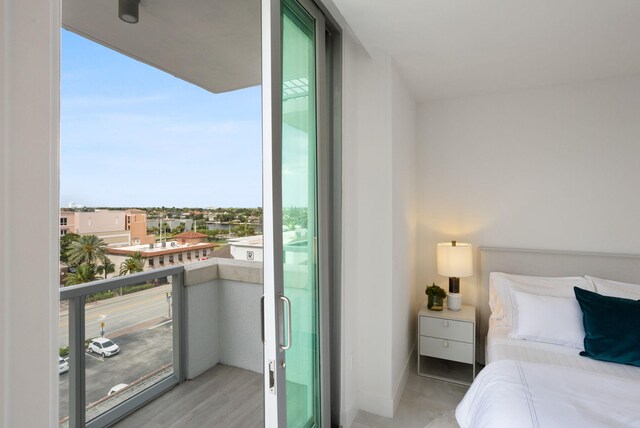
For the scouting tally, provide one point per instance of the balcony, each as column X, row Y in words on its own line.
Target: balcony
column 208, row 332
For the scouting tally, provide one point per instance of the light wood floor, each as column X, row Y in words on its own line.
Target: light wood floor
column 226, row 396
column 223, row 396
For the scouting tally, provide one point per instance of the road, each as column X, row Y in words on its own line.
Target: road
column 119, row 313
column 142, row 351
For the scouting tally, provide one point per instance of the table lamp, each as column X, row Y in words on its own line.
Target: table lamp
column 455, row 260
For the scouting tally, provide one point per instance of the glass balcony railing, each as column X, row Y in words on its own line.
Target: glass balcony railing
column 125, row 342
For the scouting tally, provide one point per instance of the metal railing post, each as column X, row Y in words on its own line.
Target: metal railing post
column 179, row 326
column 77, row 401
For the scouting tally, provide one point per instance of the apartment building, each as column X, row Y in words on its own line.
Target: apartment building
column 113, row 227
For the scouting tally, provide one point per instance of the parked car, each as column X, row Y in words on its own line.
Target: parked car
column 63, row 365
column 103, row 346
column 117, row 388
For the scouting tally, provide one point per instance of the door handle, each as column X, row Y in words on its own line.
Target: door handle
column 287, row 303
column 262, row 318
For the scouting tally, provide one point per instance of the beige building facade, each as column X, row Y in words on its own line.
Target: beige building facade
column 136, row 225
column 113, row 227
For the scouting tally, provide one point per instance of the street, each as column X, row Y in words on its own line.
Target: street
column 142, row 351
column 119, row 313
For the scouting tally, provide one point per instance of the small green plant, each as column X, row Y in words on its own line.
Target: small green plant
column 64, row 352
column 434, row 290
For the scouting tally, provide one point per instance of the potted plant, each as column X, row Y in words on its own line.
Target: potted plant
column 436, row 297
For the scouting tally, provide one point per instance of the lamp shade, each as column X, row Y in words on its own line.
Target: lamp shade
column 454, row 259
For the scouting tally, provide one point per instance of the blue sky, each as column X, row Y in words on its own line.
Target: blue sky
column 132, row 135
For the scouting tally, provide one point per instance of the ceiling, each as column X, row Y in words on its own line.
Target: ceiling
column 214, row 44
column 443, row 48
column 453, row 48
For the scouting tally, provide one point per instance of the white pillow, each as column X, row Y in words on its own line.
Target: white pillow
column 607, row 287
column 548, row 319
column 500, row 283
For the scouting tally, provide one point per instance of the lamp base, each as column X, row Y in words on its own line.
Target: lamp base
column 454, row 301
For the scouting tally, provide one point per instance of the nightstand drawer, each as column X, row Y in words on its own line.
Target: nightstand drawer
column 446, row 349
column 446, row 329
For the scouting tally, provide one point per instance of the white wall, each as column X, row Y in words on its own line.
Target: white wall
column 404, row 229
column 240, row 252
column 203, row 327
column 239, row 320
column 350, row 276
column 554, row 168
column 223, row 325
column 378, row 293
column 29, row 212
column 366, row 220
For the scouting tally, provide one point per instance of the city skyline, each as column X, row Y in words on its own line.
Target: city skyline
column 132, row 135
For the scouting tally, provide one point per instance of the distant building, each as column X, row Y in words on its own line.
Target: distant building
column 190, row 238
column 251, row 247
column 136, row 224
column 247, row 248
column 113, row 227
column 162, row 254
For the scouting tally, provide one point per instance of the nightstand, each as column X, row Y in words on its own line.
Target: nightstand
column 447, row 344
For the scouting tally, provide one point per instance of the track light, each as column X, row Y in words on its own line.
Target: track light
column 128, row 10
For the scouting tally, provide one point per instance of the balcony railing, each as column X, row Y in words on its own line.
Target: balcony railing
column 150, row 386
column 216, row 320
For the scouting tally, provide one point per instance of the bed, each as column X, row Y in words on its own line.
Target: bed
column 531, row 383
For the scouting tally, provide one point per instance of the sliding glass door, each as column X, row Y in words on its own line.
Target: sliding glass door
column 293, row 70
column 300, row 213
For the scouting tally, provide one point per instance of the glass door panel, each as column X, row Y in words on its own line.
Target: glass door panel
column 299, row 214
column 292, row 60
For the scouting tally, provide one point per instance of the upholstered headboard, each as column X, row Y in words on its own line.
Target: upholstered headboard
column 624, row 268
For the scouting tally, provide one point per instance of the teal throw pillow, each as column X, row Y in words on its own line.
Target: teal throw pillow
column 611, row 326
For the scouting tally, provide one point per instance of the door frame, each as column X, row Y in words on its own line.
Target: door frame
column 328, row 119
column 273, row 285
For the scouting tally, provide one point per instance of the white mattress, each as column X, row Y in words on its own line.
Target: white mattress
column 500, row 347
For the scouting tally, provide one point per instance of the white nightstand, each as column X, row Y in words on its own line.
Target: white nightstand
column 447, row 344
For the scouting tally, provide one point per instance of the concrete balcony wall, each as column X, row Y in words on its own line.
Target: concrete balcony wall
column 239, row 323
column 203, row 343
column 223, row 315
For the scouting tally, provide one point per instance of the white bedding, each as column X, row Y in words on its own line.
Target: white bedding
column 523, row 394
column 500, row 347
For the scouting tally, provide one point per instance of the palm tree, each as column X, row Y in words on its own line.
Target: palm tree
column 65, row 242
column 178, row 229
column 106, row 266
column 84, row 273
column 132, row 264
column 86, row 249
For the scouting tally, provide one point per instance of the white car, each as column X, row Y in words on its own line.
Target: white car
column 117, row 388
column 103, row 346
column 63, row 365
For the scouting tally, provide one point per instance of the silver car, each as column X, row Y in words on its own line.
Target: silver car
column 103, row 346
column 63, row 365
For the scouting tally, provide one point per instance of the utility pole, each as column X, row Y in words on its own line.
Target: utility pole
column 169, row 297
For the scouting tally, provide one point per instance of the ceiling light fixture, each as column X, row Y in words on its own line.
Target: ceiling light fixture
column 128, row 10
